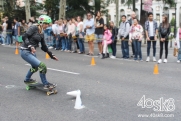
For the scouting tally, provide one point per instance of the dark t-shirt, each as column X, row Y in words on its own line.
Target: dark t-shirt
column 9, row 23
column 101, row 29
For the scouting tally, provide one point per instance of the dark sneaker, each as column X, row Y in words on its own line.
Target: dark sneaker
column 49, row 86
column 30, row 81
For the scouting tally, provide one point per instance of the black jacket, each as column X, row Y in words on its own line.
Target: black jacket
column 164, row 32
column 114, row 33
column 32, row 38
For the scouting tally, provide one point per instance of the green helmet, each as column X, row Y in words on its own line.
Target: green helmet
column 44, row 19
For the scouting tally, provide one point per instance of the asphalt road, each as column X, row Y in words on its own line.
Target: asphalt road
column 110, row 90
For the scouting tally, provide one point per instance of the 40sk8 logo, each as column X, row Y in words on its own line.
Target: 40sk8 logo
column 157, row 105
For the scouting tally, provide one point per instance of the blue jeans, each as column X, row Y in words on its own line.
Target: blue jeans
column 113, row 46
column 9, row 36
column 34, row 62
column 1, row 40
column 69, row 44
column 63, row 43
column 66, row 43
column 81, row 45
column 125, row 48
column 137, row 48
column 149, row 46
column 58, row 42
column 179, row 52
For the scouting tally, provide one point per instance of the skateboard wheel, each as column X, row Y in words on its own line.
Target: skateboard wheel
column 55, row 91
column 27, row 88
column 48, row 93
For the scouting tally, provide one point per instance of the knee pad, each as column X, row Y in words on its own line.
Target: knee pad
column 42, row 68
column 33, row 69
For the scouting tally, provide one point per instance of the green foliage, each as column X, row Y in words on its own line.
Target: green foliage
column 52, row 8
column 14, row 11
column 172, row 22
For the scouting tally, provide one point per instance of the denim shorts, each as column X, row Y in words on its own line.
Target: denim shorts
column 99, row 38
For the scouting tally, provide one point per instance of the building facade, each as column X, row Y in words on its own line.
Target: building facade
column 158, row 9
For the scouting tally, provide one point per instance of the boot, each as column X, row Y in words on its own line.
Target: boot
column 103, row 56
column 107, row 55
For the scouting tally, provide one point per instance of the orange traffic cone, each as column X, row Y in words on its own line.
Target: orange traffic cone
column 47, row 56
column 156, row 69
column 16, row 51
column 93, row 62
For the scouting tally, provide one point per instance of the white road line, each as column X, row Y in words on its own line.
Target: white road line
column 59, row 70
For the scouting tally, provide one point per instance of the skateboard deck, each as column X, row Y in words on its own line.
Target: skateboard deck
column 40, row 86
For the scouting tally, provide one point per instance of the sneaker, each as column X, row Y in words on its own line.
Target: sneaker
column 178, row 61
column 141, row 60
column 50, row 47
column 3, row 44
column 165, row 61
column 159, row 61
column 113, row 57
column 49, row 86
column 30, row 81
column 148, row 59
column 61, row 49
column 154, row 59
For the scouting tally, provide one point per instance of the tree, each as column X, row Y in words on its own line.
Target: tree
column 172, row 22
column 14, row 11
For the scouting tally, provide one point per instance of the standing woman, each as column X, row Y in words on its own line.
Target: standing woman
column 178, row 43
column 80, row 29
column 99, row 31
column 136, row 36
column 114, row 31
column 164, row 31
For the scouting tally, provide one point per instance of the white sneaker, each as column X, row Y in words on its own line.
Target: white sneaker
column 113, row 57
column 148, row 59
column 3, row 44
column 165, row 61
column 178, row 61
column 159, row 61
column 154, row 59
column 50, row 47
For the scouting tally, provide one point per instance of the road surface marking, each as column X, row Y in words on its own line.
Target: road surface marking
column 59, row 70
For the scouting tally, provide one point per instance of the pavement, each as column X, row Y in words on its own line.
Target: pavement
column 110, row 90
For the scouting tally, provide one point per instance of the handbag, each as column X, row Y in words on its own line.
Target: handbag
column 175, row 52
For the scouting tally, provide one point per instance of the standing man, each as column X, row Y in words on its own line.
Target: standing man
column 8, row 31
column 55, row 32
column 16, row 31
column 151, row 30
column 90, row 29
column 124, row 35
column 99, row 31
column 131, row 20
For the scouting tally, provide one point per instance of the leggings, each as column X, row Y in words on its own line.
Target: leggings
column 166, row 49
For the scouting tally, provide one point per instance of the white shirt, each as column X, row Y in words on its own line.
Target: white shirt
column 151, row 28
column 4, row 26
column 55, row 29
column 78, row 25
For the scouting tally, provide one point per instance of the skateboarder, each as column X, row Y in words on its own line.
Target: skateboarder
column 31, row 39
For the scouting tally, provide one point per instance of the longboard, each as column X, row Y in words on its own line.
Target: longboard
column 40, row 86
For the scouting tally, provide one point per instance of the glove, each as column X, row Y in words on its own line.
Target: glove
column 51, row 55
column 29, row 47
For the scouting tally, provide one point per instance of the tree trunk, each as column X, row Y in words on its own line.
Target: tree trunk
column 62, row 9
column 27, row 9
column 134, row 6
column 117, row 12
column 97, row 5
